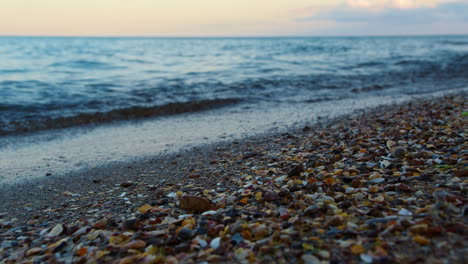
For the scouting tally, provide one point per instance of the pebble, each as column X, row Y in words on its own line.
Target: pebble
column 333, row 195
column 310, row 259
column 57, row 230
column 215, row 243
column 399, row 153
column 194, row 203
column 186, row 233
column 137, row 244
column 405, row 212
column 126, row 184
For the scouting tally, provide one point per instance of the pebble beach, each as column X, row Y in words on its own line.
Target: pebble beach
column 385, row 186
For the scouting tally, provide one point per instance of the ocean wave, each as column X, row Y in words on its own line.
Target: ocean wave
column 455, row 43
column 86, row 64
column 23, row 84
column 9, row 71
column 130, row 113
column 414, row 63
column 374, row 87
column 137, row 61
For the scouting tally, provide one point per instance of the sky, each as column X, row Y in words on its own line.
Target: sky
column 232, row 17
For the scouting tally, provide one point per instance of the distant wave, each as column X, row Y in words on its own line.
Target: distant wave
column 130, row 113
column 8, row 71
column 454, row 42
column 86, row 64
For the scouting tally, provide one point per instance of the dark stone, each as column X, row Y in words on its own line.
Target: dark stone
column 185, row 247
column 186, row 233
column 399, row 153
column 347, row 179
column 251, row 155
column 126, row 184
column 131, row 224
column 295, row 188
column 270, row 196
column 311, row 210
column 296, row 171
column 232, row 212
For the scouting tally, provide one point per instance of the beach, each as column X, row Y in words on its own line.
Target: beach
column 387, row 185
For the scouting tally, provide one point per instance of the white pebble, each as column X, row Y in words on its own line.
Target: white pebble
column 215, row 243
column 405, row 212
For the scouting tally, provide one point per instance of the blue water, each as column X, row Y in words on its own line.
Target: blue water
column 50, row 83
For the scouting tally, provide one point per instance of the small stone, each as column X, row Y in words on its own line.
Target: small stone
column 366, row 258
column 323, row 254
column 201, row 242
column 145, row 208
column 390, row 144
column 258, row 196
column 405, row 212
column 194, row 176
column 310, row 259
column 33, row 251
column 126, row 184
column 57, row 230
column 311, row 210
column 186, row 233
column 356, row 183
column 137, row 244
column 335, row 221
column 210, row 213
column 385, row 163
column 215, row 243
column 399, row 153
column 214, row 231
column 131, row 224
column 378, row 180
column 101, row 224
column 296, row 171
column 236, row 227
column 357, row 249
column 237, row 238
column 421, row 228
column 421, row 240
column 270, row 196
column 195, row 203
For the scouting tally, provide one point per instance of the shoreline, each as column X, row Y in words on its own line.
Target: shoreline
column 119, row 190
column 166, row 167
column 79, row 149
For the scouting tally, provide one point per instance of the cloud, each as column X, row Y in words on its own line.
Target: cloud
column 393, row 12
column 401, row 4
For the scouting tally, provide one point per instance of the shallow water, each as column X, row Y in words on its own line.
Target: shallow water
column 48, row 83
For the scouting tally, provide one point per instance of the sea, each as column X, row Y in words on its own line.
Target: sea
column 71, row 103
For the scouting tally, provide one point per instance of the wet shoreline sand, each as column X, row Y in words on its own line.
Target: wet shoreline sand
column 336, row 191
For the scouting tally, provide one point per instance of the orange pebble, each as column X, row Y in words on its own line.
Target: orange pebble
column 357, row 249
column 421, row 240
column 82, row 251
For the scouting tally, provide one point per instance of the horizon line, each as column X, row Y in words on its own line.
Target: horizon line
column 240, row 36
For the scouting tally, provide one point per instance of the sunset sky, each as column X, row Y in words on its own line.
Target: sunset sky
column 232, row 17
